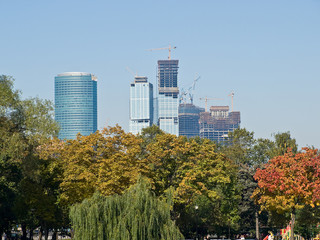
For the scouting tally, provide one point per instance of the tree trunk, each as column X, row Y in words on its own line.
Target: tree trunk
column 54, row 235
column 46, row 233
column 293, row 216
column 72, row 233
column 31, row 234
column 40, row 234
column 24, row 231
column 257, row 226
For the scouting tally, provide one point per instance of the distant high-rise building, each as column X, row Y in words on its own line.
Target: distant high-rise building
column 217, row 124
column 75, row 104
column 155, row 111
column 141, row 104
column 168, row 102
column 189, row 116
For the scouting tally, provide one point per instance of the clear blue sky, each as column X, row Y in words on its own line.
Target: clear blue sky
column 268, row 52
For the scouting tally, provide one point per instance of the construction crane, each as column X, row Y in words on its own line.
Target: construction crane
column 194, row 82
column 190, row 92
column 169, row 48
column 206, row 101
column 192, row 89
column 231, row 95
column 130, row 71
column 183, row 95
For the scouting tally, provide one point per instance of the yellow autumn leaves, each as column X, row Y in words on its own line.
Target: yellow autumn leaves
column 111, row 160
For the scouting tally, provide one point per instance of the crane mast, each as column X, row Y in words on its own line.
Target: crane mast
column 231, row 95
column 206, row 101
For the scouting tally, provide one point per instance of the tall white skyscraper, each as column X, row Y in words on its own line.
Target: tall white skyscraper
column 141, row 104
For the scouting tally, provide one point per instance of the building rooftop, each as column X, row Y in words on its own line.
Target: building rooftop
column 74, row 74
column 219, row 108
column 140, row 79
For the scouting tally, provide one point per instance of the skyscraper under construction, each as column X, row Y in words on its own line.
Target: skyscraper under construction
column 168, row 102
column 216, row 124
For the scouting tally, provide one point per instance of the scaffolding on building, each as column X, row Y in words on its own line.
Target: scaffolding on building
column 218, row 123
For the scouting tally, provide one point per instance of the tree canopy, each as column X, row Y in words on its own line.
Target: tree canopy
column 110, row 161
column 106, row 161
column 24, row 180
column 289, row 182
column 137, row 214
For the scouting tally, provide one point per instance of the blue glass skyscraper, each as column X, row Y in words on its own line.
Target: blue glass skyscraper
column 189, row 116
column 141, row 105
column 168, row 91
column 75, row 104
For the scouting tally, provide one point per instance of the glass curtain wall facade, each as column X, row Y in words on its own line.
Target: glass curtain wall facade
column 189, row 116
column 141, row 105
column 155, row 111
column 168, row 102
column 75, row 104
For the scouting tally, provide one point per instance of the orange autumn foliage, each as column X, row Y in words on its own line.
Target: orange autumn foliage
column 289, row 182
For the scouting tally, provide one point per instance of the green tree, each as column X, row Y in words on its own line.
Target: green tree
column 149, row 134
column 38, row 187
column 197, row 173
column 248, row 154
column 283, row 142
column 12, row 149
column 239, row 147
column 24, row 125
column 137, row 214
column 307, row 221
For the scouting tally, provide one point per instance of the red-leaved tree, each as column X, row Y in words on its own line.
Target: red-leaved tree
column 289, row 182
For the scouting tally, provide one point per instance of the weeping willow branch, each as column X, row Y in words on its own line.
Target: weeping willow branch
column 136, row 215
